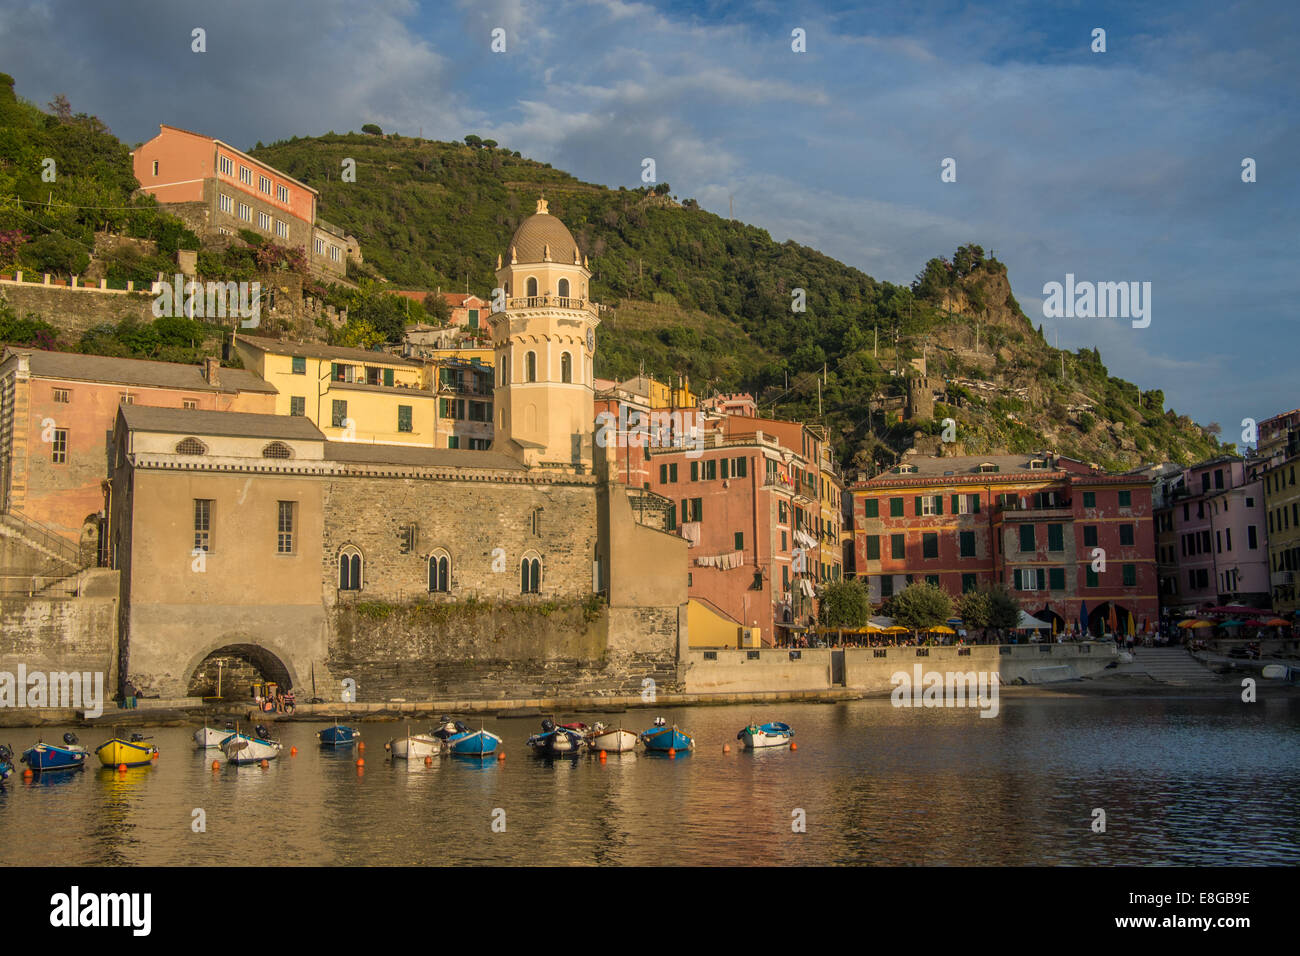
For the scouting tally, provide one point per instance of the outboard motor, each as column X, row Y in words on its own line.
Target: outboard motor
column 6, row 755
column 461, row 728
column 70, row 739
column 136, row 738
column 548, row 726
column 263, row 732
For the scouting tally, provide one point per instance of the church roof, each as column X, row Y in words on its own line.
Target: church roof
column 539, row 231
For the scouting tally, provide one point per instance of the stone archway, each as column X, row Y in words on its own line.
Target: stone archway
column 229, row 671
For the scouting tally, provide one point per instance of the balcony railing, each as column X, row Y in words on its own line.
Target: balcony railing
column 1059, row 504
column 550, row 302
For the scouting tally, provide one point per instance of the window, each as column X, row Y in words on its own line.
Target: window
column 202, row 524
column 1252, row 542
column 1218, row 478
column 530, row 367
column 531, row 287
column 404, row 418
column 190, row 403
column 1126, row 534
column 126, row 398
column 932, row 580
column 887, row 586
column 440, row 572
column 929, row 545
column 1126, row 499
column 245, row 175
column 297, row 405
column 871, row 508
column 1090, row 499
column 1056, row 579
column 873, row 547
column 932, row 504
column 897, row 545
column 1029, row 579
column 350, row 569
column 59, row 447
column 339, row 414
column 1055, row 538
column 566, row 367
column 969, row 582
column 277, row 449
column 225, row 165
column 264, row 221
column 453, row 441
column 562, row 288
column 739, row 468
column 245, row 212
column 1090, row 577
column 319, row 246
column 710, row 469
column 155, row 167
column 225, row 203
column 1130, row 575
column 530, row 574
column 284, row 527
column 191, row 446
column 967, row 541
column 298, row 365
column 282, row 229
column 62, row 395
column 739, row 540
column 1026, row 537
column 264, row 184
column 282, row 194
column 895, row 507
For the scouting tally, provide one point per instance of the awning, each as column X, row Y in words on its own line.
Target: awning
column 1029, row 623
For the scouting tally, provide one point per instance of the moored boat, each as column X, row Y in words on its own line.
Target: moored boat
column 6, row 762
column 338, row 736
column 247, row 748
column 133, row 752
column 211, row 737
column 48, row 758
column 772, row 734
column 614, row 741
column 417, row 746
column 472, row 743
column 662, row 738
column 557, row 741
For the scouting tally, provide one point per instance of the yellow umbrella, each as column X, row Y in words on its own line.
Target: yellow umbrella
column 895, row 630
column 941, row 629
column 1194, row 623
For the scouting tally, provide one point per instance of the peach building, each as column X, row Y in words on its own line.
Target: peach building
column 56, row 415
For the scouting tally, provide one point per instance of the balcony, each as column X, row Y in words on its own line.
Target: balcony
column 1031, row 508
column 551, row 302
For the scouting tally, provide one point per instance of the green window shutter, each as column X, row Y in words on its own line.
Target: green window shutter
column 873, row 547
column 1026, row 537
column 898, row 546
column 1130, row 575
column 929, row 545
column 1056, row 579
column 956, row 505
column 684, row 518
column 895, row 507
column 695, row 471
column 1126, row 499
column 672, row 472
column 918, row 505
column 1055, row 538
column 975, row 504
column 969, row 582
column 742, row 468
column 740, row 540
column 663, row 474
column 1091, row 578
column 725, row 462
column 1090, row 499
column 938, row 505
column 1042, row 579
column 968, row 544
column 1017, row 580
column 871, row 508
column 388, row 377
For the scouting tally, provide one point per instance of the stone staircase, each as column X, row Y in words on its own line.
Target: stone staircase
column 36, row 559
column 1168, row 665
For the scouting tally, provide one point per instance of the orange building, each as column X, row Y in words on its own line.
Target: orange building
column 57, row 411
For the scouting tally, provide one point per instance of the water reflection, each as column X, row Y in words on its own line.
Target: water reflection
column 1180, row 781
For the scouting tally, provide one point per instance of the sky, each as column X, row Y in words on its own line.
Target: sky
column 1115, row 166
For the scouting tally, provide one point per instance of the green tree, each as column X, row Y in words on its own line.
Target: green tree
column 372, row 130
column 844, row 604
column 919, row 606
column 437, row 308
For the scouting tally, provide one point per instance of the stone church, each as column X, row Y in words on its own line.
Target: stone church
column 253, row 542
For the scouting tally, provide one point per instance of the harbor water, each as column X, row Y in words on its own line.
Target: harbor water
column 1192, row 781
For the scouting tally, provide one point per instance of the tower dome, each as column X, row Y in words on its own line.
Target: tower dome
column 543, row 238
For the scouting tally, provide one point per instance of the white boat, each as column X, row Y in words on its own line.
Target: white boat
column 415, row 746
column 758, row 736
column 243, row 748
column 614, row 741
column 210, row 737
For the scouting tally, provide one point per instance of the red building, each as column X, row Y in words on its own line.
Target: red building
column 1062, row 535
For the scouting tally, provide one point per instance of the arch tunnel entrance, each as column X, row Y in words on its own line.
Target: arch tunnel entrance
column 228, row 672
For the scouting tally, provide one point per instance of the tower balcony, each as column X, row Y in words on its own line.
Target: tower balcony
column 568, row 303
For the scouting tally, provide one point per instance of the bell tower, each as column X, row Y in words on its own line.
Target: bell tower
column 544, row 337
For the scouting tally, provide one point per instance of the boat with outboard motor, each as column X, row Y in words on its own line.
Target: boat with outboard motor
column 250, row 748
column 661, row 738
column 772, row 734
column 614, row 741
column 47, row 758
column 338, row 736
column 558, row 740
column 124, row 751
column 209, row 738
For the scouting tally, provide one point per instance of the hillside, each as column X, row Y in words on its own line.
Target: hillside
column 693, row 294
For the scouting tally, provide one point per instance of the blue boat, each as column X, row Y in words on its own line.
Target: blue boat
column 561, row 741
column 6, row 763
column 472, row 743
column 338, row 736
column 48, row 758
column 663, row 738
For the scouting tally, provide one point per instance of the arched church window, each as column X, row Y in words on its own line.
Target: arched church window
column 563, row 289
column 530, row 367
column 532, row 287
column 440, row 571
column 349, row 569
column 530, row 573
column 566, row 367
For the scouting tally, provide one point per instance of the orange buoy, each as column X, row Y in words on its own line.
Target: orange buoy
column 672, row 751
column 361, row 761
column 216, row 765
column 428, row 761
column 603, row 758
column 155, row 755
column 361, row 745
column 27, row 774
column 793, row 745
column 121, row 768
column 726, row 748
column 501, row 755
column 265, row 764
column 293, row 751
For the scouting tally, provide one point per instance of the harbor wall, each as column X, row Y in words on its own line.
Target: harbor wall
column 869, row 670
column 53, row 634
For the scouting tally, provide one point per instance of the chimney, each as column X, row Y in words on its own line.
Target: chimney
column 212, row 371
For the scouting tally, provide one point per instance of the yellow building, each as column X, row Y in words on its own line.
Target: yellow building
column 832, row 517
column 349, row 394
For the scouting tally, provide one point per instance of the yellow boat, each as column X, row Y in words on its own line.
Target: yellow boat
column 133, row 753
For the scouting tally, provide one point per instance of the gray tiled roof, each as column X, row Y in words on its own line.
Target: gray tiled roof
column 194, row 421
column 141, row 372
column 313, row 350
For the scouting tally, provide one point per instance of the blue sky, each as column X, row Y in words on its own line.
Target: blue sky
column 1115, row 166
